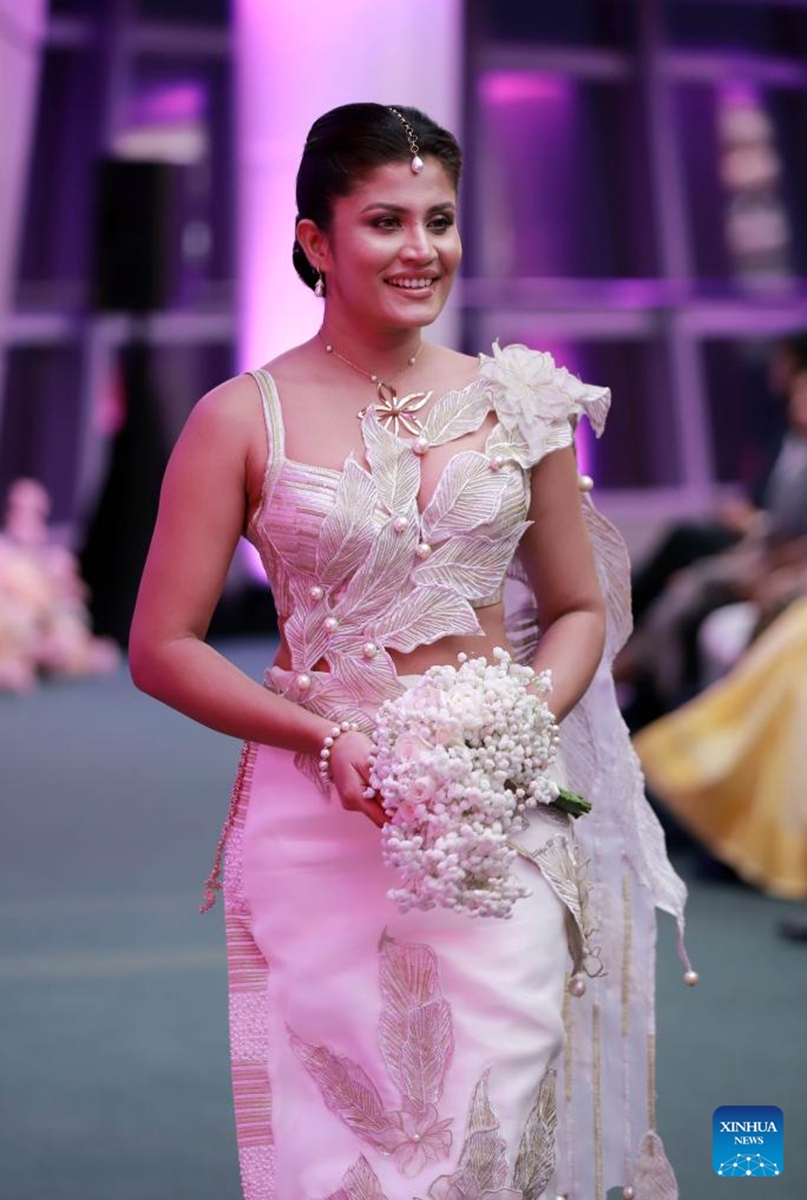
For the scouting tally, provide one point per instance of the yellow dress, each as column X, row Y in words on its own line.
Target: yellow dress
column 732, row 764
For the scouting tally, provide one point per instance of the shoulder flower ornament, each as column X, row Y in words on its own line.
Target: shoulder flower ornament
column 540, row 400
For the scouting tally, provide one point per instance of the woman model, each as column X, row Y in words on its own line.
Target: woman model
column 389, row 485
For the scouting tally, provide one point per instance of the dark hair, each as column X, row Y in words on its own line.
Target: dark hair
column 347, row 144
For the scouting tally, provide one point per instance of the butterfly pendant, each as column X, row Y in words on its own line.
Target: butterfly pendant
column 394, row 413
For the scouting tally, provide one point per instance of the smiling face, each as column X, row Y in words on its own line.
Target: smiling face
column 392, row 249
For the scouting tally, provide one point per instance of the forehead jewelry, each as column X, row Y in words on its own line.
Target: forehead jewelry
column 392, row 411
column 417, row 162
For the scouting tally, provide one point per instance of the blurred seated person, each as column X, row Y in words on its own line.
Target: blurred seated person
column 734, row 518
column 731, row 765
column 661, row 658
column 729, row 630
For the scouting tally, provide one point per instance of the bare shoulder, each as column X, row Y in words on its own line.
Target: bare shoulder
column 295, row 365
column 230, row 409
column 456, row 370
column 227, row 423
column 456, row 359
column 225, row 436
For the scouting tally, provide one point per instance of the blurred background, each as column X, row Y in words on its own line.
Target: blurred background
column 634, row 200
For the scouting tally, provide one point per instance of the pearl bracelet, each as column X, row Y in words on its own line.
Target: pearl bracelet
column 327, row 745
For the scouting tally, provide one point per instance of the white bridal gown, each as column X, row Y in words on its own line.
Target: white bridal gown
column 432, row 1055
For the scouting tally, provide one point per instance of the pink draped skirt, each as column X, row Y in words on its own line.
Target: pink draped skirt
column 379, row 1055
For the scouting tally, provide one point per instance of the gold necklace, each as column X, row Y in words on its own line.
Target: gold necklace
column 392, row 411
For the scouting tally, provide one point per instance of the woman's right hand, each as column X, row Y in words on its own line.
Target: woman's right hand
column 350, row 772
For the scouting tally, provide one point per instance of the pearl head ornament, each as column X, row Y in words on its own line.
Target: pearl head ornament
column 417, row 162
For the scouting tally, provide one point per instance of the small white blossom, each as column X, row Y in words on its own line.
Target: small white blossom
column 457, row 760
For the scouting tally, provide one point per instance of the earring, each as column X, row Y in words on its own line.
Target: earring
column 319, row 286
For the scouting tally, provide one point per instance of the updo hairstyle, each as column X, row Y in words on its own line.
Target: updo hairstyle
column 348, row 143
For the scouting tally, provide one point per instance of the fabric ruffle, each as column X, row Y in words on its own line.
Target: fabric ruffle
column 539, row 400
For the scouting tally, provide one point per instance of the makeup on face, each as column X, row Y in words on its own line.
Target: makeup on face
column 393, row 247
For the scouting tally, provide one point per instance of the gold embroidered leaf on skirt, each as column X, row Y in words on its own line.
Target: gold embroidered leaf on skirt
column 417, row 1049
column 346, row 1088
column 359, row 1183
column 535, row 1163
column 426, row 1053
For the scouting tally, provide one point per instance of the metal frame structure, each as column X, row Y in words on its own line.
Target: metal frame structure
column 672, row 311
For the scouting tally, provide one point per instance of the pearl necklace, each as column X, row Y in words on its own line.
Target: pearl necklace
column 392, row 411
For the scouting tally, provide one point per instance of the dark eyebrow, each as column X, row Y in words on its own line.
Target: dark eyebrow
column 396, row 208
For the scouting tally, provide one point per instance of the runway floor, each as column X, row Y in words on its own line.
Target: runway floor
column 114, row 1070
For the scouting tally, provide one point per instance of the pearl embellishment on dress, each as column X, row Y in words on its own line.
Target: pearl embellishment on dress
column 304, row 682
column 585, row 483
column 627, row 1193
column 420, row 445
column 331, row 624
column 577, row 986
column 423, row 550
column 400, row 524
column 496, row 463
column 691, row 978
column 369, row 649
column 316, row 592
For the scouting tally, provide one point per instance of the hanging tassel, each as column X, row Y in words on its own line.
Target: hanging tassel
column 653, row 1176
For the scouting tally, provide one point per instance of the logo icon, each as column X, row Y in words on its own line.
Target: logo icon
column 748, row 1140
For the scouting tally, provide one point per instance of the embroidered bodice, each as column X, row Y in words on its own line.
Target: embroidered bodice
column 357, row 569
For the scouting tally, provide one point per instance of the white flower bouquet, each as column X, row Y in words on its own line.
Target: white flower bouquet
column 458, row 759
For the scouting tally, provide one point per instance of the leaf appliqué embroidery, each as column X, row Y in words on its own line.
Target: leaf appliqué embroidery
column 345, row 1086
column 468, row 494
column 343, row 542
column 457, row 413
column 410, row 990
column 535, row 1162
column 359, row 1183
column 417, row 1044
column 395, row 468
column 482, row 1169
column 422, row 617
column 470, row 564
column 481, row 1173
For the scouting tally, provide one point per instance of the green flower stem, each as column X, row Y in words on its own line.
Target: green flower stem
column 571, row 803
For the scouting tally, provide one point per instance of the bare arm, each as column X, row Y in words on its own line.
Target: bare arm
column 202, row 512
column 558, row 557
column 203, row 506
